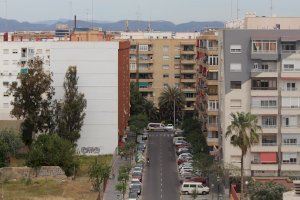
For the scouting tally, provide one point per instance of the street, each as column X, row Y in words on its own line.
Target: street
column 161, row 177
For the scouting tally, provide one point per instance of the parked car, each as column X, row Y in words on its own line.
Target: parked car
column 195, row 179
column 137, row 175
column 181, row 143
column 169, row 127
column 180, row 161
column 136, row 188
column 178, row 132
column 156, row 127
column 185, row 170
column 185, row 156
column 175, row 139
column 186, row 164
column 135, row 181
column 133, row 196
column 189, row 187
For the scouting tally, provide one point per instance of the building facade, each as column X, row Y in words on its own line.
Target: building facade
column 102, row 76
column 157, row 63
column 259, row 73
column 207, row 103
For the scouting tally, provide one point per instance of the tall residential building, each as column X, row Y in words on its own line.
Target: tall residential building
column 260, row 73
column 103, row 71
column 156, row 63
column 207, row 103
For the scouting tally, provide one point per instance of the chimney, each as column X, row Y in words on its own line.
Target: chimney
column 75, row 22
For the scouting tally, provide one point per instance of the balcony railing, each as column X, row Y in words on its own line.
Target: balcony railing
column 264, row 163
column 268, row 126
column 289, row 51
column 291, row 144
column 268, row 144
column 264, row 88
column 289, row 89
column 263, row 70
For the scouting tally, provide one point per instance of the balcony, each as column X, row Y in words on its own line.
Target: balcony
column 146, row 89
column 264, row 92
column 257, row 166
column 188, row 80
column 212, row 141
column 146, row 61
column 264, row 110
column 265, row 147
column 190, row 99
column 269, row 128
column 264, row 73
column 188, row 89
column 189, row 108
column 290, row 51
column 212, row 126
column 290, row 92
column 188, row 61
column 290, row 166
column 288, row 147
column 188, row 71
column 211, row 82
column 149, row 52
column 290, row 129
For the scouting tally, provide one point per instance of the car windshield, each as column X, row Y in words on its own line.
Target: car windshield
column 136, row 174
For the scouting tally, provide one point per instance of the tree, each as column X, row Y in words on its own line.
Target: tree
column 190, row 124
column 10, row 142
column 32, row 100
column 123, row 178
column 71, row 111
column 52, row 150
column 266, row 191
column 243, row 132
column 139, row 104
column 166, row 104
column 99, row 173
column 138, row 122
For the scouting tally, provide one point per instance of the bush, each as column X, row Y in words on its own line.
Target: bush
column 266, row 191
column 51, row 150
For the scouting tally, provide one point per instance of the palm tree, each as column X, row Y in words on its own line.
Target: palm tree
column 168, row 97
column 243, row 132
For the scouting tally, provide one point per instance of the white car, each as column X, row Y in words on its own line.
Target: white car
column 135, row 182
column 175, row 139
column 189, row 187
column 156, row 127
column 169, row 127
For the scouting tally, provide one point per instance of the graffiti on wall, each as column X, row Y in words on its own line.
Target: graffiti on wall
column 90, row 150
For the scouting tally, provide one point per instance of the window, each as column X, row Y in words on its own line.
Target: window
column 290, row 141
column 212, row 75
column 213, row 60
column 176, row 75
column 288, row 67
column 143, row 47
column 177, row 57
column 235, row 84
column 166, row 57
column 5, row 51
column 269, row 121
column 290, row 102
column 165, row 48
column 15, row 51
column 290, row 121
column 177, row 66
column 289, row 158
column 235, row 67
column 264, row 84
column 235, row 49
column 5, row 83
column 264, row 46
column 213, row 105
column 165, row 66
column 235, row 103
column 268, row 103
column 288, row 47
column 132, row 66
column 166, row 75
column 290, row 86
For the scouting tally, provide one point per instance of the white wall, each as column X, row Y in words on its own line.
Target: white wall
column 97, row 66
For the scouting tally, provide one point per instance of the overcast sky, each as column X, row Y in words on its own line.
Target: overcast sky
column 176, row 11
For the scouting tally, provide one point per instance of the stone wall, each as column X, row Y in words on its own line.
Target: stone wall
column 26, row 172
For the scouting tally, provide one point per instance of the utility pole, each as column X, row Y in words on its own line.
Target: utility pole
column 174, row 112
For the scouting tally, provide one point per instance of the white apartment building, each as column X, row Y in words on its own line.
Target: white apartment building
column 157, row 35
column 97, row 66
column 260, row 73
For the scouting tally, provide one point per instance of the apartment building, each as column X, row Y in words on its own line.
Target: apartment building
column 260, row 73
column 103, row 71
column 156, row 63
column 207, row 102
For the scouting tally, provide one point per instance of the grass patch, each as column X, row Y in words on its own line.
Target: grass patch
column 86, row 161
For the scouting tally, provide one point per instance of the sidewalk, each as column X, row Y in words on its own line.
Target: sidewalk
column 110, row 191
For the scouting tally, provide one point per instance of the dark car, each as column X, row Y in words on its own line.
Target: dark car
column 136, row 189
column 137, row 175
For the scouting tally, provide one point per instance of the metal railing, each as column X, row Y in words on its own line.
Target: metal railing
column 263, row 70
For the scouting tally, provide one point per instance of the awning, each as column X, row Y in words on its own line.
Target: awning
column 143, row 84
column 268, row 157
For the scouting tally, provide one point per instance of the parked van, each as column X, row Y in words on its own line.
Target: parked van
column 189, row 187
column 175, row 139
column 156, row 127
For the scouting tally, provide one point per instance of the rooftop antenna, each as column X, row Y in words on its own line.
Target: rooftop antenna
column 149, row 25
column 237, row 9
column 271, row 7
column 92, row 14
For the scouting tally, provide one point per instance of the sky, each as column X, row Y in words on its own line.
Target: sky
column 177, row 11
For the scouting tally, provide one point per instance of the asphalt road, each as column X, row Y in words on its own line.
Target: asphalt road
column 161, row 177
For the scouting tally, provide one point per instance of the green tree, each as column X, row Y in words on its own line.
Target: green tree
column 266, row 191
column 138, row 122
column 243, row 132
column 71, row 111
column 99, row 173
column 10, row 142
column 166, row 104
column 32, row 100
column 52, row 150
column 123, row 178
column 190, row 124
column 139, row 104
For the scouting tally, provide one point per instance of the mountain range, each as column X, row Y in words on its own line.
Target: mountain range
column 8, row 25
